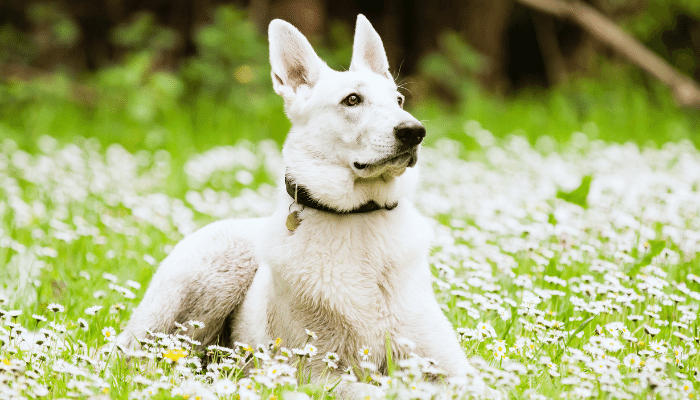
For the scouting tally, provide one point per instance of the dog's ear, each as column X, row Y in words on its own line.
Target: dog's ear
column 368, row 50
column 293, row 60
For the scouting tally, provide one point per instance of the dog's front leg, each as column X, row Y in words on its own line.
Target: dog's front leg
column 435, row 337
column 205, row 278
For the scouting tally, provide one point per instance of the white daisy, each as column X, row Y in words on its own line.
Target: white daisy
column 92, row 310
column 196, row 324
column 632, row 361
column 311, row 334
column 310, row 350
column 39, row 318
column 55, row 307
column 109, row 333
column 365, row 353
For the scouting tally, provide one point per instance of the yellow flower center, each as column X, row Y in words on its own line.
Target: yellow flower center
column 185, row 396
column 6, row 361
column 632, row 361
column 366, row 351
column 105, row 390
column 175, row 354
column 108, row 334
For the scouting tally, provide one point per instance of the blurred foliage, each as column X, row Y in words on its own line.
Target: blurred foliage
column 231, row 55
column 336, row 51
column 659, row 15
column 454, row 67
column 620, row 104
column 15, row 46
column 55, row 26
column 672, row 29
column 144, row 33
column 53, row 29
column 223, row 94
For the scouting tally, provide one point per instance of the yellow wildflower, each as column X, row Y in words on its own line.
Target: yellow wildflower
column 175, row 354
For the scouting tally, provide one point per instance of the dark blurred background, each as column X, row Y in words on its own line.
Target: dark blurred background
column 144, row 64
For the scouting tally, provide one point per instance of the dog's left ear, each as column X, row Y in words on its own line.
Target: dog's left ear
column 368, row 49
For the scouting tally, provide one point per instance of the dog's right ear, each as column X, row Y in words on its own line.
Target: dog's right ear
column 294, row 62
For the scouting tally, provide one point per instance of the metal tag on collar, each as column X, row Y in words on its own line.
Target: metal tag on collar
column 293, row 219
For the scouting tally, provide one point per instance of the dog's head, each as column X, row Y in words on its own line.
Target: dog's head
column 351, row 141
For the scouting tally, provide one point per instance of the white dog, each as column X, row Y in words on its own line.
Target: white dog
column 345, row 252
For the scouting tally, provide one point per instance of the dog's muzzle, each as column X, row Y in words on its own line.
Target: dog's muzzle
column 409, row 135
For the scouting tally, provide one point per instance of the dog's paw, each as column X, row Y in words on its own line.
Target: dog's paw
column 359, row 391
column 127, row 341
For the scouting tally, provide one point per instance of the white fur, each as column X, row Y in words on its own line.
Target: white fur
column 351, row 278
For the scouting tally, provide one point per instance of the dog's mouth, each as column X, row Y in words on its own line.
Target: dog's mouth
column 407, row 158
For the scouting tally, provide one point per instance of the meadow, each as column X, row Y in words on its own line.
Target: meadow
column 566, row 250
column 568, row 274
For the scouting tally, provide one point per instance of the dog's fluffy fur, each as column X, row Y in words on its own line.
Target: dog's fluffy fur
column 351, row 278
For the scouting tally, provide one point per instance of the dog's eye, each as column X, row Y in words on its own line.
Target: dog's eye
column 400, row 99
column 352, row 100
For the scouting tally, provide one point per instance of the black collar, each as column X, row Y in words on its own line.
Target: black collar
column 303, row 197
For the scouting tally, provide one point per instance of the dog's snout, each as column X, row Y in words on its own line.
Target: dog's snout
column 410, row 135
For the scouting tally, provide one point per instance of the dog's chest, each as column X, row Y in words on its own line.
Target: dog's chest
column 348, row 270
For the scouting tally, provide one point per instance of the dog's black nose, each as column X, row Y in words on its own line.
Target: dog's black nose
column 410, row 135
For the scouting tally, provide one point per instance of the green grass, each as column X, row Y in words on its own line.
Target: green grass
column 75, row 221
column 93, row 181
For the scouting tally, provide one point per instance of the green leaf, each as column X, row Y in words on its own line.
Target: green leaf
column 573, row 335
column 514, row 316
column 389, row 359
column 655, row 248
column 579, row 195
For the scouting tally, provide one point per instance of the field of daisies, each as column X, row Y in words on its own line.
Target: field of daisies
column 568, row 274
